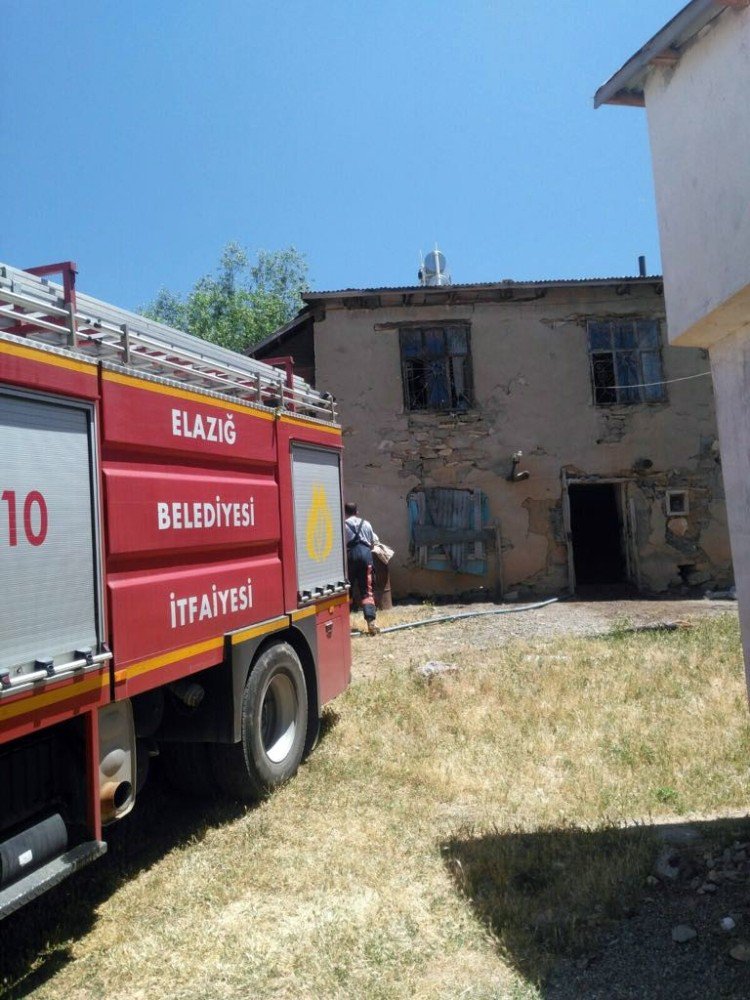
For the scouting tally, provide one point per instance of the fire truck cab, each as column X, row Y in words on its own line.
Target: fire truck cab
column 172, row 571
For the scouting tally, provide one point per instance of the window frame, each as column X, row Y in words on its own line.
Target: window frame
column 671, row 494
column 643, row 343
column 461, row 399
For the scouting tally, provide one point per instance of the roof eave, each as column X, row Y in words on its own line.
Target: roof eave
column 626, row 86
column 440, row 291
column 283, row 331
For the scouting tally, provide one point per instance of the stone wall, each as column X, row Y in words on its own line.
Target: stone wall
column 532, row 394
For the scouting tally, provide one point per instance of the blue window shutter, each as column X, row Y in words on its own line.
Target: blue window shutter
column 453, row 509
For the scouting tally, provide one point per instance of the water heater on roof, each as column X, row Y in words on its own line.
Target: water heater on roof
column 433, row 270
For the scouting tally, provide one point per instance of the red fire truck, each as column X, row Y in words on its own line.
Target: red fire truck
column 172, row 572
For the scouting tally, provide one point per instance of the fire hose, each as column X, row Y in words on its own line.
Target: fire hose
column 466, row 614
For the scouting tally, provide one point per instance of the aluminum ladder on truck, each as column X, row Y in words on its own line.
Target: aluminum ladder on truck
column 56, row 317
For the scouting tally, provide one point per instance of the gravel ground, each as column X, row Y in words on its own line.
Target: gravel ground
column 637, row 959
column 574, row 618
column 640, row 959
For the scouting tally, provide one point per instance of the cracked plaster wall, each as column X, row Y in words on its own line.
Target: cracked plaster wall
column 532, row 393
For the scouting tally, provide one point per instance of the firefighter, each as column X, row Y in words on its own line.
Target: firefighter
column 360, row 539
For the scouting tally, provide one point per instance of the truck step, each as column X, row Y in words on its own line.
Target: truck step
column 14, row 896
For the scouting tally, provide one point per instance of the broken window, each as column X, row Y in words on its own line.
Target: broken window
column 626, row 364
column 449, row 529
column 436, row 367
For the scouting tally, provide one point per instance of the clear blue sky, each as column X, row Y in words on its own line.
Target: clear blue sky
column 140, row 137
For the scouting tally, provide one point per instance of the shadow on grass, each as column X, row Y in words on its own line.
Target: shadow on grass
column 328, row 722
column 36, row 941
column 551, row 897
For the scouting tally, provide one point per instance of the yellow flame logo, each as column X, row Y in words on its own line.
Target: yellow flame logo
column 319, row 526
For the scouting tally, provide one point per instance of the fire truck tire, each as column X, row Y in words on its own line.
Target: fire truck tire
column 274, row 728
column 187, row 767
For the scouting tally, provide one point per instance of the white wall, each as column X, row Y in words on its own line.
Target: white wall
column 699, row 123
column 730, row 363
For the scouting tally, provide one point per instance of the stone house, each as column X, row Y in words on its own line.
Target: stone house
column 517, row 438
column 693, row 78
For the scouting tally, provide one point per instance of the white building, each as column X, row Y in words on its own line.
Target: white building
column 693, row 78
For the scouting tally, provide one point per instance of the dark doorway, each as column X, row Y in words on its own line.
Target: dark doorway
column 596, row 534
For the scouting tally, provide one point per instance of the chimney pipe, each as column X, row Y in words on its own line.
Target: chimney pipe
column 642, row 267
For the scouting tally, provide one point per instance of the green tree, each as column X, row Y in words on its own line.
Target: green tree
column 242, row 303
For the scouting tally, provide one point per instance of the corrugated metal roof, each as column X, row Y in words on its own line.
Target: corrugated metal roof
column 311, row 297
column 480, row 285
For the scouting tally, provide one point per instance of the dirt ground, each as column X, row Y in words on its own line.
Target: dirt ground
column 488, row 630
column 637, row 959
column 180, row 862
column 640, row 958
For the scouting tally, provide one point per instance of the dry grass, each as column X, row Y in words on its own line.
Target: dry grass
column 445, row 839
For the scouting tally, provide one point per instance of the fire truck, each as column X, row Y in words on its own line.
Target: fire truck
column 172, row 571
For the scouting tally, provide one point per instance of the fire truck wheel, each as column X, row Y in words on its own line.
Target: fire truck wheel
column 274, row 727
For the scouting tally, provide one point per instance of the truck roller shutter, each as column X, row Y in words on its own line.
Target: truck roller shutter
column 318, row 521
column 48, row 566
